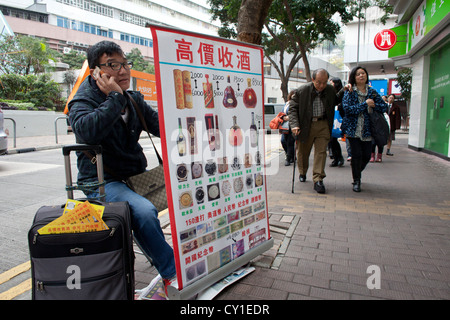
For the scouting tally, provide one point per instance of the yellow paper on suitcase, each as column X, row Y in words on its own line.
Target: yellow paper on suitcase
column 70, row 205
column 83, row 218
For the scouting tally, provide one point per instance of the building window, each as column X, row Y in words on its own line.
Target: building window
column 298, row 73
column 136, row 40
column 89, row 6
column 83, row 27
column 23, row 14
column 62, row 22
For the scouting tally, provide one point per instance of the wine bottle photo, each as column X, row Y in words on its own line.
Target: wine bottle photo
column 235, row 136
column 181, row 140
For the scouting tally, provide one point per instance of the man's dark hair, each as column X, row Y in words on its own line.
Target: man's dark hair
column 315, row 72
column 352, row 76
column 97, row 50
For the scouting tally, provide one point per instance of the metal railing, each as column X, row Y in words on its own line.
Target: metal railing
column 56, row 126
column 14, row 129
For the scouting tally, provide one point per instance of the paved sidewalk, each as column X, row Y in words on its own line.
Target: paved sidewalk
column 399, row 223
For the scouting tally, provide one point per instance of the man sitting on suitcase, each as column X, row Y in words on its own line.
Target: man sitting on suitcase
column 101, row 113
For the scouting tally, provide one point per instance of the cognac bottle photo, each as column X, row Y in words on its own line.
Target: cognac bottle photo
column 249, row 95
column 229, row 98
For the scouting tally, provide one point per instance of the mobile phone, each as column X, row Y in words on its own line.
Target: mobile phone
column 97, row 72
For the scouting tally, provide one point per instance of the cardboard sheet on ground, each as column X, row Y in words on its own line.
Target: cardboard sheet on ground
column 155, row 290
column 211, row 115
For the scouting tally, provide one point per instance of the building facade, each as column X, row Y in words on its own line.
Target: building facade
column 423, row 33
column 77, row 24
column 360, row 50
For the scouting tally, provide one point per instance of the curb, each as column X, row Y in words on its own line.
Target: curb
column 32, row 149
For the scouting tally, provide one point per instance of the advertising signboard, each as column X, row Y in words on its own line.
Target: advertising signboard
column 145, row 84
column 380, row 85
column 210, row 102
column 385, row 40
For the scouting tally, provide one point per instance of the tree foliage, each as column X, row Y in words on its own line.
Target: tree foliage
column 293, row 26
column 74, row 59
column 24, row 55
column 23, row 61
column 139, row 63
column 404, row 79
column 298, row 27
column 37, row 89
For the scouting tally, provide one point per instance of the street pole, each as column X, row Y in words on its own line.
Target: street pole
column 359, row 30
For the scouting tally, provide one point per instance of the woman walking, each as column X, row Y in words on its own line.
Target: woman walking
column 358, row 103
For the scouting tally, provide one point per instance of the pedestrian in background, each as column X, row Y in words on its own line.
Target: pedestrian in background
column 338, row 159
column 311, row 115
column 376, row 156
column 395, row 121
column 287, row 140
column 357, row 104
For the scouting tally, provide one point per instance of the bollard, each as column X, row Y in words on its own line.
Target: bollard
column 56, row 127
column 14, row 129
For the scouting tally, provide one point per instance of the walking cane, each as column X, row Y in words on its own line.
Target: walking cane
column 295, row 163
column 296, row 138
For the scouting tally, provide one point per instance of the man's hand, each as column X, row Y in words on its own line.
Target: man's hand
column 295, row 131
column 107, row 83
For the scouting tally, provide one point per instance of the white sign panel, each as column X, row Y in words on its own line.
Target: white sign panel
column 210, row 101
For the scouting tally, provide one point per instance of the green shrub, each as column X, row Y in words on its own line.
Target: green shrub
column 23, row 106
column 38, row 90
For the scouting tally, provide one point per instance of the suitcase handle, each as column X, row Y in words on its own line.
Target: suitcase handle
column 98, row 161
column 81, row 147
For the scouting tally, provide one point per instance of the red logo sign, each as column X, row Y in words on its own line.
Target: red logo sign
column 385, row 40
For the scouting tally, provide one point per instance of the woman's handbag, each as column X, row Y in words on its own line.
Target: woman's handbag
column 379, row 128
column 278, row 123
column 150, row 184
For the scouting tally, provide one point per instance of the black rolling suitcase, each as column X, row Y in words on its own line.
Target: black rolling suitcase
column 95, row 265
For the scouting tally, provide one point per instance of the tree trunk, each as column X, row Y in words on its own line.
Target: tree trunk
column 251, row 20
column 284, row 88
column 306, row 64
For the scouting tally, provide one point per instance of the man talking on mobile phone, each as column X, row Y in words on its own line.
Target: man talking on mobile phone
column 101, row 113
